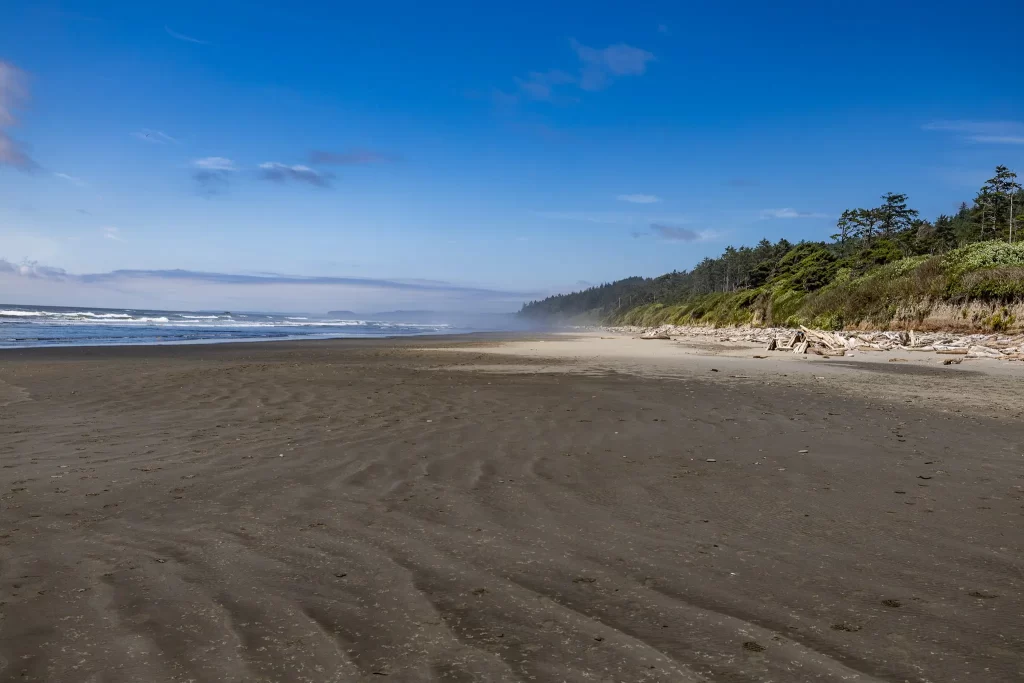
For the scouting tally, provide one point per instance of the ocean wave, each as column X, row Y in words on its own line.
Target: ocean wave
column 165, row 322
column 22, row 314
column 64, row 314
column 101, row 316
column 45, row 326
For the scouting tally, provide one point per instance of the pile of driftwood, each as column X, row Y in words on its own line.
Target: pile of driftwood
column 804, row 340
column 972, row 346
column 813, row 341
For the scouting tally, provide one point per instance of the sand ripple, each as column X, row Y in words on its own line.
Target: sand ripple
column 346, row 512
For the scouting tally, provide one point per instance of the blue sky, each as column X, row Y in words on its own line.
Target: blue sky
column 509, row 151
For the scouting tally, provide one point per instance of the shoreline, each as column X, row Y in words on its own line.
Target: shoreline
column 244, row 340
column 426, row 336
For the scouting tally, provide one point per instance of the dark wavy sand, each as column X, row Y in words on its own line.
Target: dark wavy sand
column 354, row 511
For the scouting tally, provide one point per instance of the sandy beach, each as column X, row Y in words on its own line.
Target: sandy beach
column 548, row 508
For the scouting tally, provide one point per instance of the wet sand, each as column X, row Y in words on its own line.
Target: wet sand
column 392, row 510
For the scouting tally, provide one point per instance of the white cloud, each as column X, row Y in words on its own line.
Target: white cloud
column 215, row 164
column 157, row 137
column 183, row 37
column 986, row 132
column 111, row 233
column 71, row 179
column 639, row 198
column 790, row 213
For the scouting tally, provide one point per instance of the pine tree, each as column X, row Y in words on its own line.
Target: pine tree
column 996, row 198
column 867, row 224
column 894, row 216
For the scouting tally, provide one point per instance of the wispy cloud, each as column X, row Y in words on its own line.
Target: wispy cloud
column 157, row 137
column 215, row 164
column 352, row 157
column 111, row 233
column 597, row 69
column 183, row 37
column 639, row 198
column 213, row 175
column 71, row 179
column 280, row 173
column 35, row 270
column 13, row 94
column 986, row 132
column 790, row 213
column 602, row 66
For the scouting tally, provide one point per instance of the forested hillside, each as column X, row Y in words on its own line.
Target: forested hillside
column 884, row 265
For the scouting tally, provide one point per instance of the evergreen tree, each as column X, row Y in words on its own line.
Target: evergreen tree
column 866, row 224
column 894, row 216
column 847, row 225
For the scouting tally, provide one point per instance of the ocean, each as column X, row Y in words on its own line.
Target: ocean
column 34, row 326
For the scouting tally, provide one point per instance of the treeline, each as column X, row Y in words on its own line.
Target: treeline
column 593, row 299
column 865, row 239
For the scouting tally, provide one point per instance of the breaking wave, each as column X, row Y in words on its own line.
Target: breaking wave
column 24, row 326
